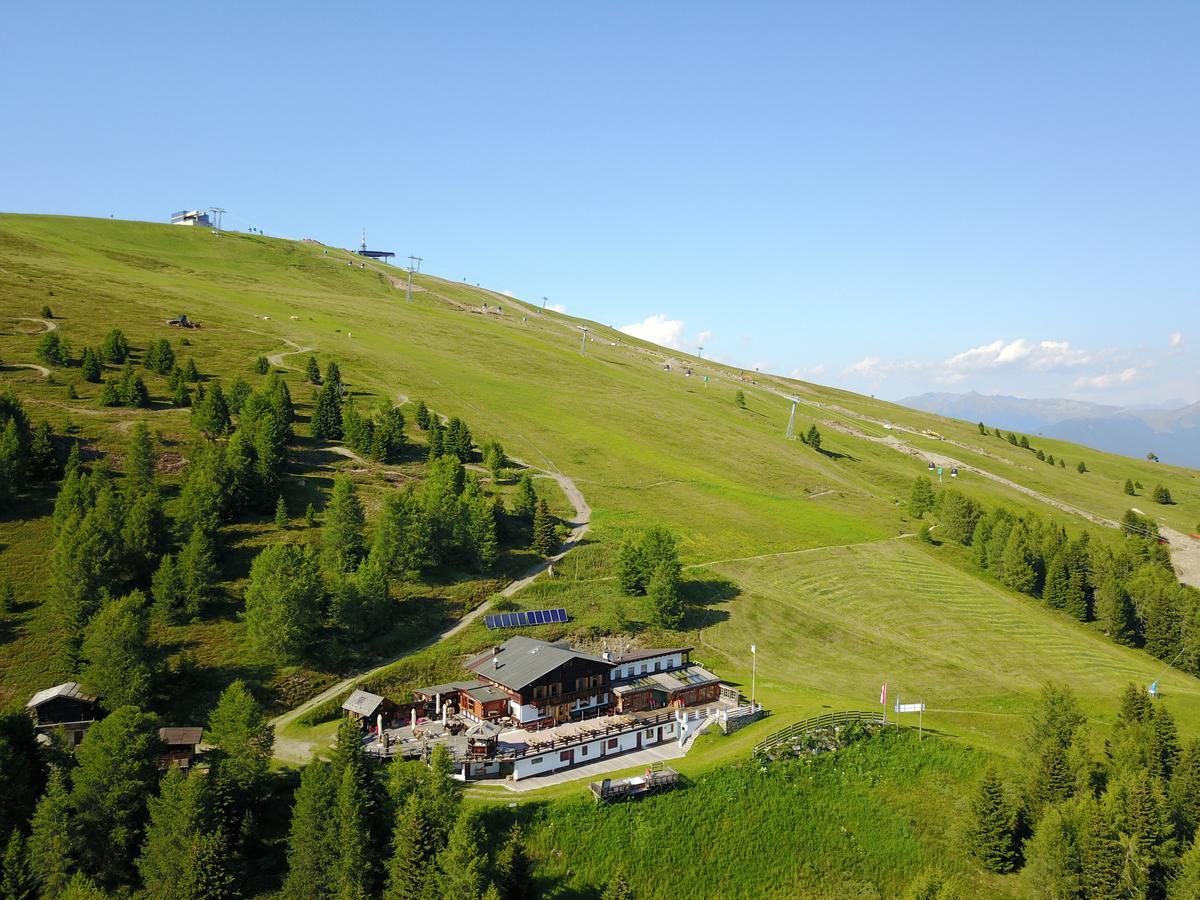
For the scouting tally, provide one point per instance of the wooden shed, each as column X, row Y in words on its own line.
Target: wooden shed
column 180, row 746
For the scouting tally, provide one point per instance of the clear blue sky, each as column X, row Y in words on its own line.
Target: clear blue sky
column 860, row 192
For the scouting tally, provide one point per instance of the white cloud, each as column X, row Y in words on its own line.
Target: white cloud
column 1038, row 356
column 1106, row 379
column 810, row 371
column 1176, row 340
column 557, row 307
column 876, row 368
column 657, row 329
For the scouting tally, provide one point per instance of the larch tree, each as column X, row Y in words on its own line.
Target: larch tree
column 17, row 882
column 118, row 768
column 197, row 571
column 352, row 868
column 342, row 542
column 115, row 652
column 243, row 737
column 920, row 498
column 326, row 422
column 283, row 601
column 312, row 371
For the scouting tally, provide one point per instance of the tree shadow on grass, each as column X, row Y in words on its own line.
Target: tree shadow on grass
column 834, row 455
column 703, row 597
column 34, row 504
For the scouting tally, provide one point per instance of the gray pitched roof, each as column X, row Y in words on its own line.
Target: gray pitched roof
column 69, row 689
column 452, row 687
column 523, row 660
column 362, row 702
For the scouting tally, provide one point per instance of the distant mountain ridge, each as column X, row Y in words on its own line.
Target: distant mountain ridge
column 1173, row 434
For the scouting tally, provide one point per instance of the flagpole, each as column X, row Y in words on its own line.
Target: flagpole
column 753, row 673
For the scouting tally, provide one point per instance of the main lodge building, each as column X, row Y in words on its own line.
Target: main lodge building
column 538, row 684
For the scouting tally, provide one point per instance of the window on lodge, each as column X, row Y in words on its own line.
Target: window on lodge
column 583, row 751
column 613, row 742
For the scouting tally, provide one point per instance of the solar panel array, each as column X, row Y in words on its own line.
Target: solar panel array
column 521, row 619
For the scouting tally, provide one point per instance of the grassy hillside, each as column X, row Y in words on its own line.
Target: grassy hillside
column 810, row 555
column 644, row 445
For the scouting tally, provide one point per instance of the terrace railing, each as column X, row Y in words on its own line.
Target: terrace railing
column 828, row 720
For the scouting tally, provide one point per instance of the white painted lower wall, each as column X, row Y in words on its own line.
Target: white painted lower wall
column 593, row 750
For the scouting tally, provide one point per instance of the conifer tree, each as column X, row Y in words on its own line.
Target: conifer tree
column 813, row 437
column 1054, row 592
column 920, row 498
column 463, row 862
column 90, row 366
column 545, row 533
column 1099, row 853
column 18, row 882
column 310, row 516
column 115, row 348
column 53, row 349
column 436, row 440
column 313, row 371
column 1161, row 495
column 481, row 530
column 117, row 660
column 1050, row 459
column 177, row 817
column 178, row 386
column 1165, row 751
column 326, row 422
column 239, row 392
column 210, row 415
column 1082, row 467
column 1052, row 857
column 109, row 395
column 1185, row 792
column 992, row 833
column 514, row 872
column 663, row 591
column 423, row 416
column 283, row 601
column 524, row 501
column 197, row 571
column 333, row 375
column 1129, row 487
column 262, row 365
column 139, row 461
column 406, row 868
column 1052, row 781
column 118, row 767
column 51, row 849
column 190, row 372
column 243, row 737
column 43, row 456
column 1018, row 563
column 1186, row 883
column 281, row 512
column 342, row 539
column 351, row 867
column 167, row 591
column 80, row 887
column 311, row 853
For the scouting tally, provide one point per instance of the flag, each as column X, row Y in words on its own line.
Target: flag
column 883, row 695
column 753, row 649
